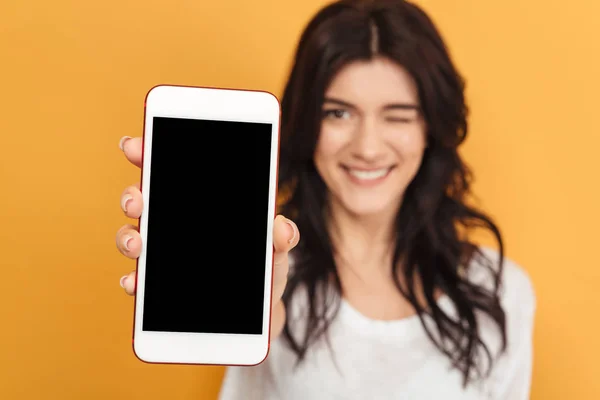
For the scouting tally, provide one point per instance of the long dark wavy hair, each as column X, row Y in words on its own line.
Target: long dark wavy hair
column 434, row 215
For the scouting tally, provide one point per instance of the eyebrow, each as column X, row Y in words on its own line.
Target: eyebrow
column 394, row 106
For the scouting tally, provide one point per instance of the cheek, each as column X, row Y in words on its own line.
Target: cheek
column 411, row 144
column 330, row 144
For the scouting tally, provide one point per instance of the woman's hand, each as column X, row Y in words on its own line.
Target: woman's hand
column 129, row 242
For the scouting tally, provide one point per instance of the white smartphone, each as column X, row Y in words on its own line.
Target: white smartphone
column 209, row 184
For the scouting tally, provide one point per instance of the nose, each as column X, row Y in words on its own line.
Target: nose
column 368, row 142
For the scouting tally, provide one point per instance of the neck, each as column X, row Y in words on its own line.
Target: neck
column 365, row 243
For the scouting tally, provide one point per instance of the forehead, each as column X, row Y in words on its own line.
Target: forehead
column 373, row 83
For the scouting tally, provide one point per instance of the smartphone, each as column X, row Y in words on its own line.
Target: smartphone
column 209, row 185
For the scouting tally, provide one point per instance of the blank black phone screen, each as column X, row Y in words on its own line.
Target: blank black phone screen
column 207, row 226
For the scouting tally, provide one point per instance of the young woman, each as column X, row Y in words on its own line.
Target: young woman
column 386, row 296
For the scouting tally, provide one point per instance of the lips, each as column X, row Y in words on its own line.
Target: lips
column 367, row 176
column 370, row 174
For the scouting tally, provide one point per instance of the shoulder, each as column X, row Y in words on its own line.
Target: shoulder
column 517, row 293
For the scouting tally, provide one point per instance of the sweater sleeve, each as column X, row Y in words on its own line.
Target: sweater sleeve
column 242, row 383
column 512, row 372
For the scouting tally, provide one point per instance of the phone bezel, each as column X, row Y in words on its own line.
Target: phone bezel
column 215, row 104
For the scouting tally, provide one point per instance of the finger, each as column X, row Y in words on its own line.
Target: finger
column 127, row 282
column 129, row 241
column 132, row 203
column 132, row 147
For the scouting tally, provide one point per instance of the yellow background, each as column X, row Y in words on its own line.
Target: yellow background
column 73, row 76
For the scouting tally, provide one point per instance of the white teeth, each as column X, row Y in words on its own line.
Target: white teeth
column 369, row 175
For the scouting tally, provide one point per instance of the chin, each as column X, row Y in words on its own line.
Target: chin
column 363, row 208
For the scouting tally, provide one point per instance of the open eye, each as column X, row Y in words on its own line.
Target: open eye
column 336, row 114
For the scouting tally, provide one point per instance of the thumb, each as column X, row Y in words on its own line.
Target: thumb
column 285, row 234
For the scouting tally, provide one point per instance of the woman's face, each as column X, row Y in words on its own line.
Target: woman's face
column 372, row 137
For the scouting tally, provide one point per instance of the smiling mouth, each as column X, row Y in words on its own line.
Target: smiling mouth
column 368, row 176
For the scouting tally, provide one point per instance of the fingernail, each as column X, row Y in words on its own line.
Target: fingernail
column 122, row 281
column 293, row 226
column 122, row 142
column 126, row 241
column 124, row 201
